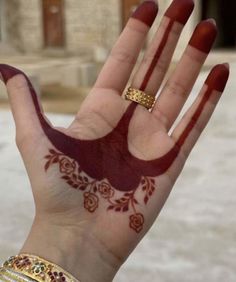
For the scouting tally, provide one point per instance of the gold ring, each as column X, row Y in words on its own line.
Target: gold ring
column 140, row 97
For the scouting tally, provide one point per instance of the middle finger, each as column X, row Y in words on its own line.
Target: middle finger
column 157, row 59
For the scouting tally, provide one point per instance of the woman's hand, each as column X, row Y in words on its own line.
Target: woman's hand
column 99, row 184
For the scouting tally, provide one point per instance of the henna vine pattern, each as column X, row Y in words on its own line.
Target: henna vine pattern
column 94, row 190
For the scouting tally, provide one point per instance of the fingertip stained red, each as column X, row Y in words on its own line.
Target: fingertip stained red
column 180, row 10
column 146, row 12
column 218, row 77
column 204, row 36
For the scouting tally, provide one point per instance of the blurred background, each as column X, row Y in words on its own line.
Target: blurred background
column 61, row 45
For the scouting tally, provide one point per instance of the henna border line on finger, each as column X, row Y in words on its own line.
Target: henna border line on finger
column 216, row 81
column 130, row 172
column 110, row 154
column 179, row 11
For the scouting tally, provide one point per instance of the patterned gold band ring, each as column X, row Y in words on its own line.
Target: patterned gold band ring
column 140, row 97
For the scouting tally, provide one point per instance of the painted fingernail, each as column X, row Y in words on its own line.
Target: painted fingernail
column 8, row 72
column 218, row 77
column 146, row 12
column 204, row 36
column 180, row 10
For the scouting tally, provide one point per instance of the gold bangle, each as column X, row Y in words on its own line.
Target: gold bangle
column 38, row 268
column 140, row 97
column 9, row 275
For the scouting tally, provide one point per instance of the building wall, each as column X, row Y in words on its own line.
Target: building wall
column 24, row 25
column 31, row 25
column 11, row 20
column 89, row 25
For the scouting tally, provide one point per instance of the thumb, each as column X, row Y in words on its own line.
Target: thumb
column 25, row 105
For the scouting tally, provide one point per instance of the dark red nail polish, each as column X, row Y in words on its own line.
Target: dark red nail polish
column 146, row 12
column 218, row 77
column 180, row 10
column 204, row 36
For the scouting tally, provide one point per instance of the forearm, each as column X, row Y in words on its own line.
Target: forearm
column 75, row 252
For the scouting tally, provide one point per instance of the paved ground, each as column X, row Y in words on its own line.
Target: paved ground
column 194, row 239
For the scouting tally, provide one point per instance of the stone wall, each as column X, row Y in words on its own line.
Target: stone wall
column 88, row 24
column 24, row 25
column 12, row 20
column 91, row 24
column 31, row 27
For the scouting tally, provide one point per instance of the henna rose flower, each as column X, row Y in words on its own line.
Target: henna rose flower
column 106, row 190
column 90, row 201
column 136, row 222
column 66, row 166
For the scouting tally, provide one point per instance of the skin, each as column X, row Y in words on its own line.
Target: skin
column 115, row 151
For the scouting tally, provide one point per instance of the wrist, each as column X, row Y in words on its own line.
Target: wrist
column 73, row 249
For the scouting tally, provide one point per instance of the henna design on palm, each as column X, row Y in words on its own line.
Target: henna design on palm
column 104, row 168
column 93, row 190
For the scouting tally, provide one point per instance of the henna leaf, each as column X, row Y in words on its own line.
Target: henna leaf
column 118, row 209
column 75, row 186
column 82, row 187
column 65, row 177
column 125, row 208
column 53, row 152
column 146, row 199
column 74, row 177
column 135, row 201
column 55, row 160
column 143, row 182
column 124, row 200
column 48, row 157
column 95, row 189
column 110, row 208
column 47, row 165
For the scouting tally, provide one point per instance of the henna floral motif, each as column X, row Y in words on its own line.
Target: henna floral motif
column 106, row 190
column 66, row 166
column 136, row 222
column 90, row 201
column 92, row 189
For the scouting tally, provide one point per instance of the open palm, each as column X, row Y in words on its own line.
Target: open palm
column 112, row 170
